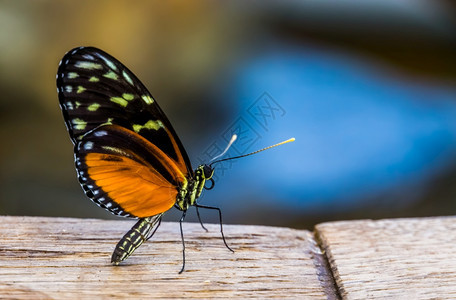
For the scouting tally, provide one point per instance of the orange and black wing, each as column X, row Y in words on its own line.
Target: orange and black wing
column 98, row 94
column 139, row 180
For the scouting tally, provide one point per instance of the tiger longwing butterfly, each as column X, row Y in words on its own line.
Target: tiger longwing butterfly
column 129, row 159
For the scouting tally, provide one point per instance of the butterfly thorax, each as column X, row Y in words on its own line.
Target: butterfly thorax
column 189, row 192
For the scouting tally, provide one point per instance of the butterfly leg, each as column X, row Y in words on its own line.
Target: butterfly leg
column 199, row 218
column 153, row 232
column 183, row 242
column 221, row 223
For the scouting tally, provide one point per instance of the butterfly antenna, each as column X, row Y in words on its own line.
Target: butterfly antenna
column 254, row 152
column 233, row 139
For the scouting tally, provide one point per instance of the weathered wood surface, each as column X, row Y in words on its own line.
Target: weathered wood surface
column 44, row 258
column 392, row 259
column 65, row 258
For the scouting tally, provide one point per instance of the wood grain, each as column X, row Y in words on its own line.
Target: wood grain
column 45, row 258
column 392, row 259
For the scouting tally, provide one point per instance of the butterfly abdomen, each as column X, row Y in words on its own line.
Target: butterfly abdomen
column 137, row 235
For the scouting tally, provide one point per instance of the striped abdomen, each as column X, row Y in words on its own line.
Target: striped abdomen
column 137, row 235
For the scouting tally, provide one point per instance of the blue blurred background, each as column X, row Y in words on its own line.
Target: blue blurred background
column 367, row 88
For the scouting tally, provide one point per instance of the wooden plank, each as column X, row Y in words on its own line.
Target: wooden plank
column 42, row 258
column 392, row 259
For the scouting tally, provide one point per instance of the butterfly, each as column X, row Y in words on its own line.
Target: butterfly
column 129, row 159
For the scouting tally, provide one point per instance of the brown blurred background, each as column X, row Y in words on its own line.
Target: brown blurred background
column 194, row 57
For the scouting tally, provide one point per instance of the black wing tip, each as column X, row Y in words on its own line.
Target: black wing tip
column 60, row 82
column 75, row 51
column 85, row 49
column 81, row 48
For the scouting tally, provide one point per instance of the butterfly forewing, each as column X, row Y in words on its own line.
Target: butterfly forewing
column 95, row 88
column 128, row 156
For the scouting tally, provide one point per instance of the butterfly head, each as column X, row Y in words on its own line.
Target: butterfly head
column 203, row 173
column 208, row 171
column 190, row 193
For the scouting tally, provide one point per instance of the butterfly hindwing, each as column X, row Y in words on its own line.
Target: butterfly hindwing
column 137, row 181
column 95, row 89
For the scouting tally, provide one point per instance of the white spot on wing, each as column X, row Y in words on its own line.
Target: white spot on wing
column 101, row 133
column 127, row 78
column 108, row 62
column 68, row 88
column 88, row 146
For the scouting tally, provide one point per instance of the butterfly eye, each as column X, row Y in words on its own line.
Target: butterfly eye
column 208, row 172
